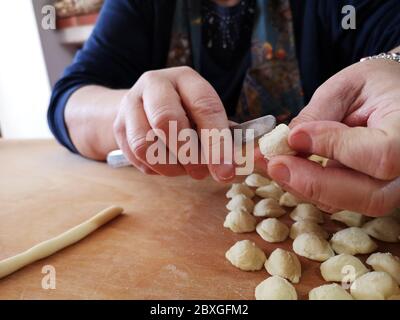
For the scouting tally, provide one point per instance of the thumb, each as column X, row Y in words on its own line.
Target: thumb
column 367, row 150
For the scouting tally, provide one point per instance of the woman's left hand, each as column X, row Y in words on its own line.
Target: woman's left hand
column 354, row 119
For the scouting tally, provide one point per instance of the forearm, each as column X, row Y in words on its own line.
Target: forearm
column 89, row 116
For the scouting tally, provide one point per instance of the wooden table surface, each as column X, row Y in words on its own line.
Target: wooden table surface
column 169, row 244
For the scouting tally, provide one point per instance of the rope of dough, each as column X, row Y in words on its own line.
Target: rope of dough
column 51, row 246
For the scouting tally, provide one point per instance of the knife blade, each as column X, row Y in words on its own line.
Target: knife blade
column 261, row 126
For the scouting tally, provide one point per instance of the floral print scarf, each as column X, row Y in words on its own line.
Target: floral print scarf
column 272, row 83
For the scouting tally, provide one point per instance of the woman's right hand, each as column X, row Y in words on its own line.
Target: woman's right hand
column 176, row 94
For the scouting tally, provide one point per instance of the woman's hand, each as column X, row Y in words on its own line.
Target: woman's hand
column 354, row 119
column 158, row 97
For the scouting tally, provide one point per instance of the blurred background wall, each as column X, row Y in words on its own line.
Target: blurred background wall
column 33, row 58
column 24, row 85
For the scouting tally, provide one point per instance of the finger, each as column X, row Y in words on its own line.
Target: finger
column 205, row 108
column 123, row 145
column 368, row 150
column 334, row 99
column 303, row 199
column 334, row 164
column 137, row 128
column 259, row 159
column 120, row 137
column 336, row 188
column 164, row 112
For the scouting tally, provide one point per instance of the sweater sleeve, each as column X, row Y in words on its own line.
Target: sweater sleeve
column 116, row 54
column 377, row 28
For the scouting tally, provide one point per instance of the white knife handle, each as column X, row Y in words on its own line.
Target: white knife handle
column 116, row 159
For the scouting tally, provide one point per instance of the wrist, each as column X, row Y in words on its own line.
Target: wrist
column 89, row 116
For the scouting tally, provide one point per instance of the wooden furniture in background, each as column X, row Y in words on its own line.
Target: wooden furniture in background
column 76, row 30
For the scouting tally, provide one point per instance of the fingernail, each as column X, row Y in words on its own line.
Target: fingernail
column 225, row 171
column 301, row 141
column 280, row 173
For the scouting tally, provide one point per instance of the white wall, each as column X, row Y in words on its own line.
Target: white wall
column 24, row 85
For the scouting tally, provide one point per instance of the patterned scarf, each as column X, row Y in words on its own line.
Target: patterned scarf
column 272, row 83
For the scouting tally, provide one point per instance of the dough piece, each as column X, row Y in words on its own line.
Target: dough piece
column 385, row 229
column 239, row 188
column 307, row 211
column 329, row 292
column 349, row 218
column 51, row 246
column 272, row 191
column 352, row 241
column 272, row 230
column 246, row 256
column 275, row 288
column 268, row 208
column 376, row 285
column 385, row 262
column 257, row 180
column 240, row 202
column 275, row 143
column 284, row 264
column 240, row 221
column 307, row 226
column 318, row 159
column 312, row 247
column 288, row 200
column 340, row 266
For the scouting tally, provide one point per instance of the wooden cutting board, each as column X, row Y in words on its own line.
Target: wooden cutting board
column 169, row 244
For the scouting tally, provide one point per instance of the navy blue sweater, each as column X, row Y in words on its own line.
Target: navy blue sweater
column 132, row 36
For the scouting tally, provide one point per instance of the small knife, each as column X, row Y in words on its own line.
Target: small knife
column 261, row 126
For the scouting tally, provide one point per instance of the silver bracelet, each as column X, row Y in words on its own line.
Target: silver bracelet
column 387, row 56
